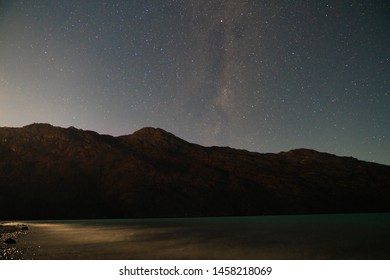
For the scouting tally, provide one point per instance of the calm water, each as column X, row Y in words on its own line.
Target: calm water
column 356, row 236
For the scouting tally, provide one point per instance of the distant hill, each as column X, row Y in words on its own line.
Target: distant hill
column 49, row 172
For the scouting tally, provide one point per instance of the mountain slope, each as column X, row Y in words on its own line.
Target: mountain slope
column 52, row 172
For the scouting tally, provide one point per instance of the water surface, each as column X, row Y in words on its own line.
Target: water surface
column 351, row 236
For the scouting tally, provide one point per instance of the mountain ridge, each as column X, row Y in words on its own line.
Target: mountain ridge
column 53, row 172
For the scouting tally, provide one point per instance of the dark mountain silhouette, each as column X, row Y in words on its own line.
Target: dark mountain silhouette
column 51, row 172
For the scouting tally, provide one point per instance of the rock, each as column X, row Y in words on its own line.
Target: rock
column 10, row 241
column 24, row 228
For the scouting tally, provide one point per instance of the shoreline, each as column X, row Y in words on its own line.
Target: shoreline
column 9, row 234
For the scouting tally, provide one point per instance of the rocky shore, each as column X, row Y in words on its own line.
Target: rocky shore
column 9, row 233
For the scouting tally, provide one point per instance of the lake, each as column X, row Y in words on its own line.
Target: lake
column 340, row 236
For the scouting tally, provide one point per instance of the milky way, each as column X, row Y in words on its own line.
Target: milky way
column 264, row 76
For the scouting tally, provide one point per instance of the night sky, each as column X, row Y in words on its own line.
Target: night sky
column 265, row 76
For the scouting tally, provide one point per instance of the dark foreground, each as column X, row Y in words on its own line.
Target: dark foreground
column 352, row 236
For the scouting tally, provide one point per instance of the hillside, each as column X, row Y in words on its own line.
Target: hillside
column 49, row 172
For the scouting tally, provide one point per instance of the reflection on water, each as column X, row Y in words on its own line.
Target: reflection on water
column 364, row 236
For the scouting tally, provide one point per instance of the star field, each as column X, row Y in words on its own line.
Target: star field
column 264, row 76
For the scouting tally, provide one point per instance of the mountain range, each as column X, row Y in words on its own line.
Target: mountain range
column 49, row 172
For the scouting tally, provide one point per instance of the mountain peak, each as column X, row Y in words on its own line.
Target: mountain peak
column 38, row 126
column 152, row 131
column 156, row 136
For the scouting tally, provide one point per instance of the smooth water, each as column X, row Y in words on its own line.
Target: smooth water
column 350, row 236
